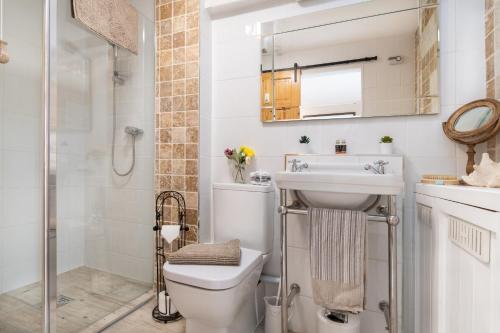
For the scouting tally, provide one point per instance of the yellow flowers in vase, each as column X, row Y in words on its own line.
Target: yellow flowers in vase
column 241, row 158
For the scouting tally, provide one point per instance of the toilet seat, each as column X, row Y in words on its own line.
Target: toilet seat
column 214, row 277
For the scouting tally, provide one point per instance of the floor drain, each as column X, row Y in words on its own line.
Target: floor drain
column 63, row 300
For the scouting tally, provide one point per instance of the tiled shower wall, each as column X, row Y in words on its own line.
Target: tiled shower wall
column 20, row 151
column 492, row 33
column 97, row 209
column 177, row 104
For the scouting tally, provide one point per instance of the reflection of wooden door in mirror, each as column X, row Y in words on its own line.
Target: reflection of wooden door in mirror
column 266, row 96
column 287, row 94
column 287, row 101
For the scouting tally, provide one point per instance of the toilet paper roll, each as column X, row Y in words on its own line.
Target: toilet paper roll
column 326, row 325
column 170, row 232
column 165, row 304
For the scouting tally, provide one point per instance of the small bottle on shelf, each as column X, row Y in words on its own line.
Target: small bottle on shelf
column 338, row 147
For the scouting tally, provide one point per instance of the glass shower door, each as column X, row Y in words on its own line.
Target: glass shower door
column 104, row 220
column 61, row 203
column 21, row 151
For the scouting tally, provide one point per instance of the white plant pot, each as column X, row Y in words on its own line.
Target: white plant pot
column 306, row 148
column 386, row 148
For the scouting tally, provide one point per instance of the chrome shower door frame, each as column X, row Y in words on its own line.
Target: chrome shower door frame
column 49, row 211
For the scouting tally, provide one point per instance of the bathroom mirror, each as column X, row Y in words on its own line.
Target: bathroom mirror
column 474, row 123
column 372, row 59
column 473, row 119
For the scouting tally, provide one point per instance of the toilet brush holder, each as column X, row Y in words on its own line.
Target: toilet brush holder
column 167, row 201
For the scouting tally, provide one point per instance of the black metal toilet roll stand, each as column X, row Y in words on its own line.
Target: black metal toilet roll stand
column 165, row 198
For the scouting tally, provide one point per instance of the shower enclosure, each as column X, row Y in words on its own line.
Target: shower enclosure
column 76, row 239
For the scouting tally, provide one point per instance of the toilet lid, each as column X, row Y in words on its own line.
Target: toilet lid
column 214, row 277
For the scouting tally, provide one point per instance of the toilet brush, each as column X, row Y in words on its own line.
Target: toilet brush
column 279, row 293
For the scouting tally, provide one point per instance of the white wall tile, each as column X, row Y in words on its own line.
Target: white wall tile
column 447, row 25
column 237, row 59
column 372, row 322
column 265, row 139
column 298, row 231
column 237, row 97
column 469, row 25
column 470, row 75
column 20, row 207
column 20, row 148
column 448, row 81
column 303, row 315
column 299, row 270
column 428, row 129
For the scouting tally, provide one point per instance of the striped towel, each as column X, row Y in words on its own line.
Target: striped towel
column 208, row 254
column 337, row 252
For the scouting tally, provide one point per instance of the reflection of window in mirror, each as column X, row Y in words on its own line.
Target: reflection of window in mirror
column 331, row 91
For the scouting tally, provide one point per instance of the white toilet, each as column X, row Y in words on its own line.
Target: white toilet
column 221, row 299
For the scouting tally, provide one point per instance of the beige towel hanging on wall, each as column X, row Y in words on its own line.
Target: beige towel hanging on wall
column 115, row 20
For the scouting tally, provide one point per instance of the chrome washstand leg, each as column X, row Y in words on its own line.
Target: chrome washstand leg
column 284, row 286
column 392, row 222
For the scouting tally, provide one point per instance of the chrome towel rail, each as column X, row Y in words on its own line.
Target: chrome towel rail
column 295, row 211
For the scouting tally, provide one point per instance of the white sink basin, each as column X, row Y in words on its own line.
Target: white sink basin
column 341, row 189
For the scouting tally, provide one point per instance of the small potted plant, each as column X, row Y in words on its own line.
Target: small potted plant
column 304, row 141
column 240, row 158
column 386, row 145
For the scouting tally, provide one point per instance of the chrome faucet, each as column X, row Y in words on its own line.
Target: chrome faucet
column 298, row 165
column 378, row 167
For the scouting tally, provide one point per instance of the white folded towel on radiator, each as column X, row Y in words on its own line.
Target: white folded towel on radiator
column 338, row 259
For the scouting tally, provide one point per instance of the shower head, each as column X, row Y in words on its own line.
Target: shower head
column 134, row 131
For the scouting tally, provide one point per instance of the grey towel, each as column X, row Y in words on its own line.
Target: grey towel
column 337, row 252
column 208, row 254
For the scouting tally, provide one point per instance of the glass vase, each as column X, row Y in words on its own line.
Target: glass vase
column 238, row 173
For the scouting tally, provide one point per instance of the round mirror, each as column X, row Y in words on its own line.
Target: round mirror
column 473, row 119
column 474, row 123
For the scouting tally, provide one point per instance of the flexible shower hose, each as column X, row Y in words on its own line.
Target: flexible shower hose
column 131, row 168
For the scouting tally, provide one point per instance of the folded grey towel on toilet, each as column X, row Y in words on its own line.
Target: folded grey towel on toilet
column 228, row 253
column 337, row 253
